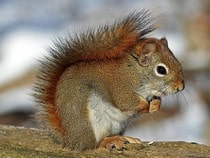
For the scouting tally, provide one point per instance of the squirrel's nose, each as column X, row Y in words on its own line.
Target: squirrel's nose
column 180, row 86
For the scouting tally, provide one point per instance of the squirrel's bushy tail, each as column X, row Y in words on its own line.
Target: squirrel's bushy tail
column 104, row 43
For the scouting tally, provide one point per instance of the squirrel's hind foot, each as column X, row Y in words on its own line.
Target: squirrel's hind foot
column 117, row 142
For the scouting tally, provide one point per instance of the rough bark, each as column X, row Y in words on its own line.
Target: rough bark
column 21, row 142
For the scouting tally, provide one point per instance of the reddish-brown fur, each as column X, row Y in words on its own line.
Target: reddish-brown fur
column 108, row 42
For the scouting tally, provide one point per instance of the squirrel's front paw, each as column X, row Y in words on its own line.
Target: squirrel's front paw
column 117, row 142
column 154, row 104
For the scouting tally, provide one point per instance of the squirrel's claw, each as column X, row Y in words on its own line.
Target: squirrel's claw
column 117, row 142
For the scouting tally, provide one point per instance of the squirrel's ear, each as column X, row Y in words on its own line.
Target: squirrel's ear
column 164, row 41
column 146, row 53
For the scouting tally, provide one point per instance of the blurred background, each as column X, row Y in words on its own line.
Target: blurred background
column 28, row 27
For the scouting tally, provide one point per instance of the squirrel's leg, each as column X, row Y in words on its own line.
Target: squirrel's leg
column 117, row 142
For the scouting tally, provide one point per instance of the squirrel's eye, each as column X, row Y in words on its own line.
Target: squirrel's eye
column 161, row 70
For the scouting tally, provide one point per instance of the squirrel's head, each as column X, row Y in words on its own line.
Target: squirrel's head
column 162, row 73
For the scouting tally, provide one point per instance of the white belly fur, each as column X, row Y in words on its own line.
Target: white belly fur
column 106, row 119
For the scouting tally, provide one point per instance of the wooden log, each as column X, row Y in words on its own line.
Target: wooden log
column 22, row 142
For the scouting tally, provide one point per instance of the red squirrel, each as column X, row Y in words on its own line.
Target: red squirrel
column 91, row 86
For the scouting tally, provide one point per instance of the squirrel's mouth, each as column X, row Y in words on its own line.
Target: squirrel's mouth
column 154, row 97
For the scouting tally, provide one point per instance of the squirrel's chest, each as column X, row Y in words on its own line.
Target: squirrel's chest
column 106, row 120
